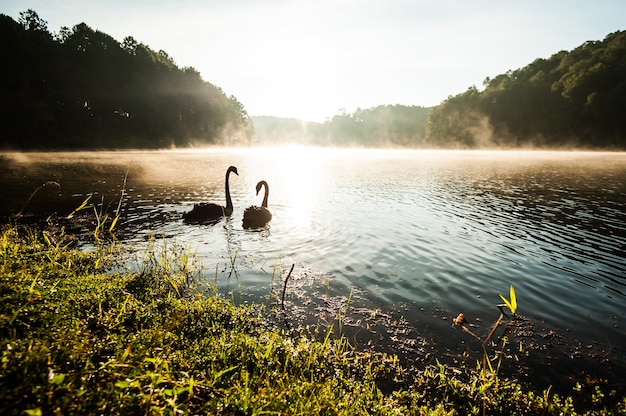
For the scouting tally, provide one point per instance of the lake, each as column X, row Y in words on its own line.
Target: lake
column 399, row 242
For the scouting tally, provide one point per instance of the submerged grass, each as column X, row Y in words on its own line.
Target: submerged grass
column 79, row 338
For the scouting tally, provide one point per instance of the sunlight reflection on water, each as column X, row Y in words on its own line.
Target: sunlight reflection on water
column 424, row 229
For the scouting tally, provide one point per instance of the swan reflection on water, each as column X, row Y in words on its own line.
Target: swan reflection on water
column 211, row 212
column 255, row 216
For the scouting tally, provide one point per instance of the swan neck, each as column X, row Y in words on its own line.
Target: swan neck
column 229, row 202
column 266, row 196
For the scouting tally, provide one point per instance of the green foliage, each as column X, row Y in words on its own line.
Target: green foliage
column 77, row 338
column 512, row 304
column 83, row 89
column 573, row 98
column 31, row 21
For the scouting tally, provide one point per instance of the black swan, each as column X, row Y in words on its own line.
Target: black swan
column 257, row 217
column 207, row 211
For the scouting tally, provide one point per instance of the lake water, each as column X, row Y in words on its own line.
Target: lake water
column 414, row 237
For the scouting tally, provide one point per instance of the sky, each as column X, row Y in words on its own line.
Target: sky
column 312, row 59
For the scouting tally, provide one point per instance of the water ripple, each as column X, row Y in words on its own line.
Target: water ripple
column 451, row 229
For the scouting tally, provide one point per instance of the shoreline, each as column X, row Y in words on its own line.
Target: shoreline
column 392, row 378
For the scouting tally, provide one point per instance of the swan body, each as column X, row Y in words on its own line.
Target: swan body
column 208, row 211
column 255, row 216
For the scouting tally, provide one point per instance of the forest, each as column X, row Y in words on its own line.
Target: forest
column 80, row 88
column 572, row 99
column 381, row 126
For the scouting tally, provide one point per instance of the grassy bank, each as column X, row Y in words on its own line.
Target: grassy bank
column 78, row 338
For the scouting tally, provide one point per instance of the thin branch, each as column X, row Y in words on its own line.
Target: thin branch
column 282, row 302
column 493, row 330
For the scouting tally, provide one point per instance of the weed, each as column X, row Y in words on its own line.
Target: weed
column 511, row 304
column 35, row 192
column 76, row 338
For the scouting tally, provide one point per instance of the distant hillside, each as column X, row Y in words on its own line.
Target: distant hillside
column 573, row 98
column 381, row 126
column 275, row 130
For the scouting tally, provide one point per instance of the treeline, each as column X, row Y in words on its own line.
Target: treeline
column 575, row 98
column 385, row 125
column 381, row 126
column 80, row 88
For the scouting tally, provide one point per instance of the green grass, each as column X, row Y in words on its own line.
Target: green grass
column 78, row 338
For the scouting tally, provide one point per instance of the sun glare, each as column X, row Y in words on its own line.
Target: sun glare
column 301, row 176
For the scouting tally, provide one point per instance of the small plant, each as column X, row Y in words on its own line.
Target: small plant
column 487, row 373
column 32, row 195
column 512, row 304
column 101, row 215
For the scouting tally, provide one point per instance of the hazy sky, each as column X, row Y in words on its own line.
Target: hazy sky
column 310, row 58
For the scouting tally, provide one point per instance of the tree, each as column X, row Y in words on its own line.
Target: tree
column 572, row 98
column 31, row 21
column 84, row 89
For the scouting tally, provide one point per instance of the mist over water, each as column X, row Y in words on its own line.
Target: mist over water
column 426, row 234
